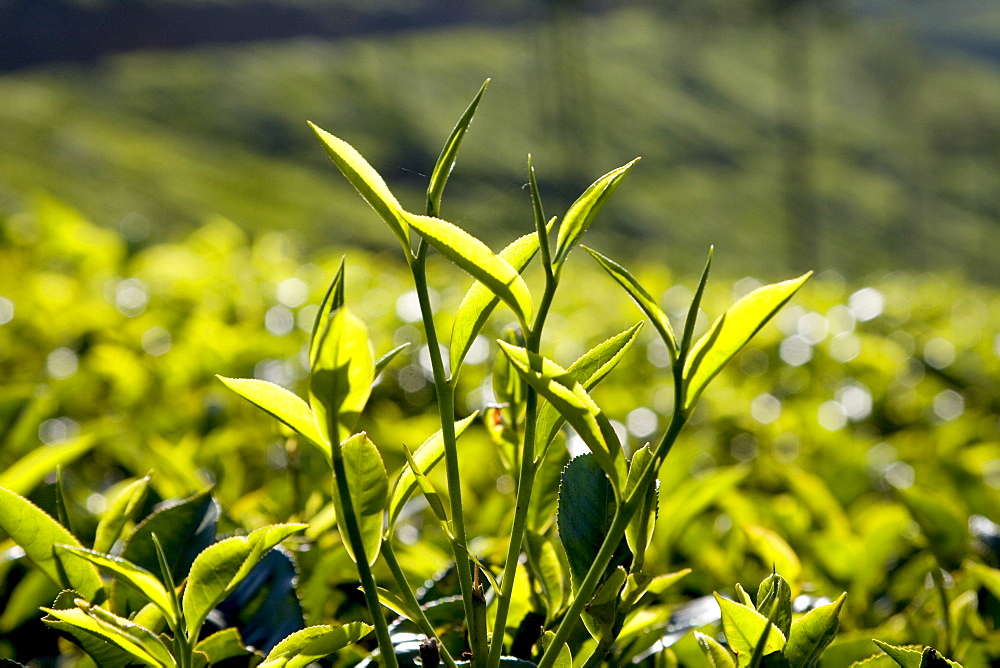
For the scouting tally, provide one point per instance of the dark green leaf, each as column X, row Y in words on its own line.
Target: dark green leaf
column 942, row 523
column 586, row 509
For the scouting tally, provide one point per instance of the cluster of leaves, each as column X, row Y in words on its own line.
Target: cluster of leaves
column 778, row 465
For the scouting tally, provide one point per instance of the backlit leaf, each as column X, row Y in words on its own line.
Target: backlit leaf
column 639, row 532
column 37, row 534
column 367, row 182
column 23, row 476
column 718, row 655
column 138, row 641
column 731, row 331
column 144, row 581
column 315, row 642
column 282, row 404
column 340, row 382
column 122, row 508
column 221, row 567
column 811, row 633
column 368, row 487
column 332, row 301
column 224, row 644
column 475, row 257
column 446, row 161
column 744, row 627
column 582, row 212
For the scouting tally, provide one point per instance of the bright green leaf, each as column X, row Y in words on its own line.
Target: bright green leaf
column 37, row 534
column 368, row 487
column 23, row 476
column 138, row 641
column 944, row 525
column 446, row 161
column 564, row 659
column 426, row 457
column 121, row 509
column 141, row 579
column 367, row 182
column 774, row 600
column 315, row 642
column 282, row 404
column 479, row 301
column 341, row 380
column 744, row 627
column 571, row 400
column 907, row 657
column 224, row 644
column 382, row 362
column 718, row 655
column 731, row 331
column 582, row 212
column 811, row 633
column 333, row 300
column 475, row 257
column 639, row 532
column 223, row 565
column 430, row 494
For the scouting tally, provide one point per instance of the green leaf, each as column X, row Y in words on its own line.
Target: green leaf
column 547, row 568
column 397, row 605
column 473, row 256
column 718, row 655
column 426, row 457
column 941, row 521
column 368, row 487
column 341, row 380
column 223, row 565
column 564, row 659
column 589, row 370
column 315, row 642
column 138, row 641
column 382, row 362
column 105, row 654
column 571, row 400
column 224, row 644
column 582, row 212
column 333, row 300
column 367, row 182
column 692, row 315
column 141, row 579
column 480, row 301
column 907, row 657
column 430, row 494
column 37, row 534
column 987, row 577
column 775, row 588
column 639, row 532
column 282, row 404
column 122, row 508
column 586, row 510
column 23, row 476
column 601, row 613
column 811, row 633
column 731, row 331
column 744, row 627
column 646, row 303
column 931, row 658
column 446, row 161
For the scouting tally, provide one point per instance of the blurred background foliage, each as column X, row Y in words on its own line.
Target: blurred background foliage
column 166, row 215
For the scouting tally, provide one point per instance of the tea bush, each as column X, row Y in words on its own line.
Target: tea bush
column 853, row 447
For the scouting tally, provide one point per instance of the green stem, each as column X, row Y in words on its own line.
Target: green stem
column 525, row 483
column 389, row 554
column 446, row 408
column 611, row 541
column 368, row 584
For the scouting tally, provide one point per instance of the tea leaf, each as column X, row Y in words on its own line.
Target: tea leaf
column 341, row 380
column 475, row 257
column 907, row 657
column 589, row 370
column 368, row 486
column 138, row 641
column 105, row 654
column 582, row 212
column 122, row 509
column 224, row 644
column 744, row 627
column 282, row 404
column 571, row 400
column 426, row 457
column 222, row 566
column 646, row 303
column 731, row 331
column 943, row 524
column 811, row 633
column 315, row 642
column 37, row 534
column 774, row 599
column 586, row 510
column 988, row 577
column 382, row 362
column 430, row 494
column 639, row 532
column 332, row 301
column 23, row 476
column 718, row 655
column 548, row 569
column 367, row 182
column 446, row 161
column 144, row 581
column 479, row 302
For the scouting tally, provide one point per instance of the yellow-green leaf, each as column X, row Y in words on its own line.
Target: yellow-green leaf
column 341, row 380
column 282, row 404
column 368, row 487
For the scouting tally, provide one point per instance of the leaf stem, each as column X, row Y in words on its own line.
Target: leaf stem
column 445, row 392
column 368, row 584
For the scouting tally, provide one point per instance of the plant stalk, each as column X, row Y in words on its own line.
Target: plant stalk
column 368, row 584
